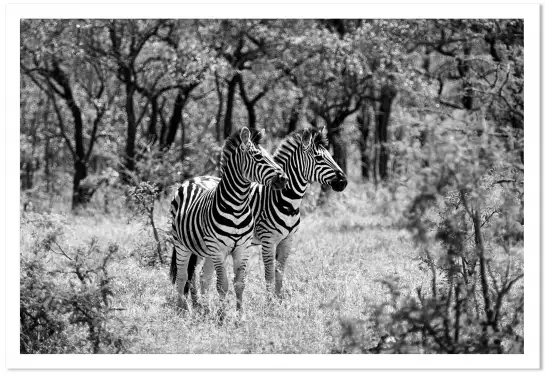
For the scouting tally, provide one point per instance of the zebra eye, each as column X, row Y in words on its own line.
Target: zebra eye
column 319, row 157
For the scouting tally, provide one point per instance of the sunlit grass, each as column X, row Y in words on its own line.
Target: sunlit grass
column 340, row 253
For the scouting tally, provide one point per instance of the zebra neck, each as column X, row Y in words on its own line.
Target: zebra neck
column 290, row 197
column 297, row 184
column 294, row 192
column 232, row 196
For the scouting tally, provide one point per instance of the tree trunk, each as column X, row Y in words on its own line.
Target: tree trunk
column 365, row 120
column 293, row 119
column 252, row 119
column 387, row 95
column 164, row 125
column 220, row 108
column 400, row 136
column 228, row 124
column 80, row 165
column 27, row 161
column 182, row 146
column 175, row 120
column 467, row 87
column 78, row 196
column 336, row 142
column 250, row 104
column 47, row 171
column 131, row 132
column 339, row 150
column 152, row 129
column 27, row 177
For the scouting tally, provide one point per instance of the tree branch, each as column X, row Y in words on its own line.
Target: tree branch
column 61, row 126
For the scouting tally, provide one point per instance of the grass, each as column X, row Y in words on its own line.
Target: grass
column 340, row 253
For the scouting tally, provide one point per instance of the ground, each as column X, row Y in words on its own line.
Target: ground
column 340, row 254
column 332, row 283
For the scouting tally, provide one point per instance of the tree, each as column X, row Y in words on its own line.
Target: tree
column 472, row 64
column 50, row 55
column 334, row 82
column 151, row 58
column 257, row 55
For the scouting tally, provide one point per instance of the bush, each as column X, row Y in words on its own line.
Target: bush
column 143, row 197
column 466, row 218
column 66, row 294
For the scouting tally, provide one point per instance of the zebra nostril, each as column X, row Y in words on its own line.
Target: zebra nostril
column 280, row 180
column 281, row 176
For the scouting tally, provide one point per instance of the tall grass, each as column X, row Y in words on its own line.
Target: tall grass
column 347, row 256
column 341, row 251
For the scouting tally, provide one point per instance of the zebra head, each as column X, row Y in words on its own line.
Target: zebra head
column 257, row 165
column 320, row 164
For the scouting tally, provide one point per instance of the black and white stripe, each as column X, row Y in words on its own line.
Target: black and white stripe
column 212, row 219
column 303, row 155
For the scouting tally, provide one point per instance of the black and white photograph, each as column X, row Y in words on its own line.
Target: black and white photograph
column 257, row 185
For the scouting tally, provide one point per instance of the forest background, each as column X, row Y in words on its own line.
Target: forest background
column 426, row 117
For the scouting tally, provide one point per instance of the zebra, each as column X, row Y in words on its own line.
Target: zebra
column 213, row 220
column 304, row 157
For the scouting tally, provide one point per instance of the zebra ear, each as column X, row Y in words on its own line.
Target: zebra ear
column 322, row 132
column 245, row 135
column 306, row 138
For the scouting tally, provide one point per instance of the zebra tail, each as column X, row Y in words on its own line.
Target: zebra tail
column 190, row 271
column 173, row 267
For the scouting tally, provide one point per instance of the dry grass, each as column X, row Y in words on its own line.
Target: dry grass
column 340, row 253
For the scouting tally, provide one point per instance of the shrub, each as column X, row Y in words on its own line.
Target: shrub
column 143, row 197
column 466, row 218
column 66, row 295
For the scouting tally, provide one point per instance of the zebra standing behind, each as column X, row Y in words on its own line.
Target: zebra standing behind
column 213, row 220
column 303, row 155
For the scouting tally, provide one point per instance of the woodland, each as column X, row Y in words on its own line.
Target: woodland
column 426, row 117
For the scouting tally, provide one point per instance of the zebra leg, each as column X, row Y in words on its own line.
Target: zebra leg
column 222, row 285
column 282, row 252
column 207, row 274
column 240, row 260
column 195, row 280
column 268, row 254
column 182, row 260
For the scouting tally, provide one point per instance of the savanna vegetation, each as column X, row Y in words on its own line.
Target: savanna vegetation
column 422, row 253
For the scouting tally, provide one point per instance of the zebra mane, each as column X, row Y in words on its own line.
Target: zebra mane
column 295, row 138
column 233, row 141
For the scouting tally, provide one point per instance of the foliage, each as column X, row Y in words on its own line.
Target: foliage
column 465, row 216
column 66, row 294
column 434, row 109
column 165, row 82
column 143, row 197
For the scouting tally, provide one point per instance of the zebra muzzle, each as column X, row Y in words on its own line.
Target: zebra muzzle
column 280, row 181
column 339, row 183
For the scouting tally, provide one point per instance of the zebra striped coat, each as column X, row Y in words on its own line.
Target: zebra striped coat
column 213, row 220
column 304, row 157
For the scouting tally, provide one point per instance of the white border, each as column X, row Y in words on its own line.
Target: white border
column 530, row 13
